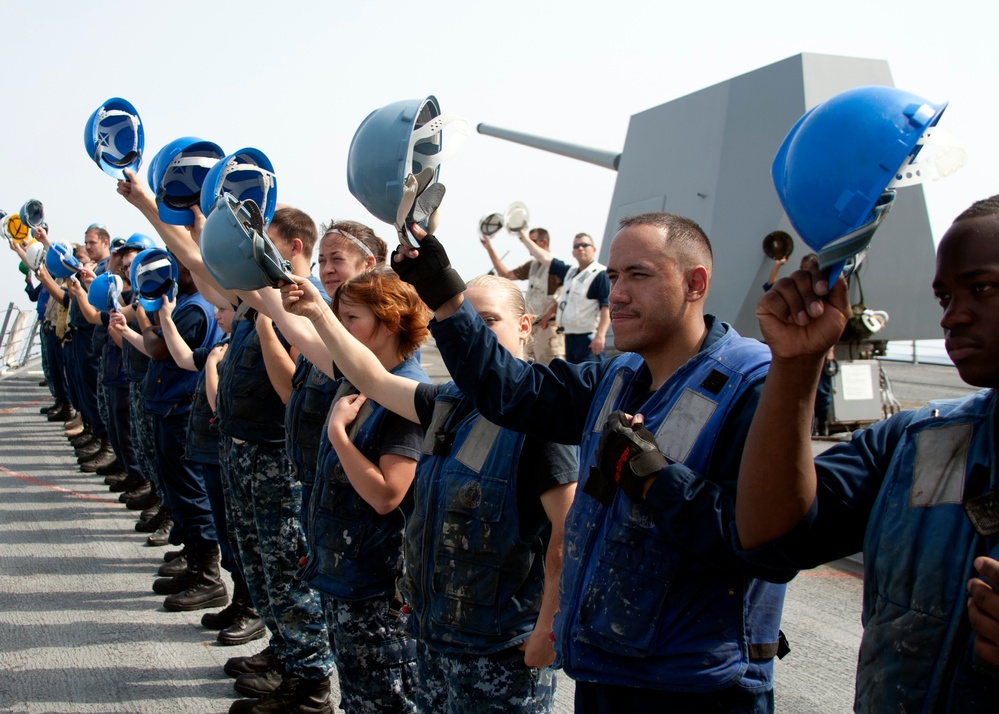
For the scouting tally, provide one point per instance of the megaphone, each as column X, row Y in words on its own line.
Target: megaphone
column 517, row 217
column 490, row 225
column 32, row 213
column 778, row 245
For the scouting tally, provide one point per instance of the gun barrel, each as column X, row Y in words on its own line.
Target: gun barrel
column 606, row 159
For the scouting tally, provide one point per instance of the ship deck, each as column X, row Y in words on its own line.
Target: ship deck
column 82, row 631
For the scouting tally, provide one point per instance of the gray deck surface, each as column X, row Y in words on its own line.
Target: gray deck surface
column 81, row 630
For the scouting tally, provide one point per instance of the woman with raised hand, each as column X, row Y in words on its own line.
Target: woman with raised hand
column 362, row 500
column 346, row 249
column 484, row 542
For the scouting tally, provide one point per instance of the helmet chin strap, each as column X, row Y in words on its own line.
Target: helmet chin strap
column 845, row 254
column 419, row 204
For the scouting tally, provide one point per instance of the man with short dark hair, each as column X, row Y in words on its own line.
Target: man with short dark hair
column 919, row 493
column 657, row 612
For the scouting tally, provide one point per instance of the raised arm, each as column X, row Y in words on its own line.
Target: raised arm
column 79, row 293
column 298, row 330
column 119, row 325
column 358, row 364
column 177, row 238
column 550, row 402
column 501, row 270
column 215, row 357
column 56, row 291
column 800, row 319
column 278, row 363
column 537, row 252
column 181, row 352
column 152, row 339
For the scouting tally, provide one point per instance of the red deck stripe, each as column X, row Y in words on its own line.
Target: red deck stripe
column 38, row 482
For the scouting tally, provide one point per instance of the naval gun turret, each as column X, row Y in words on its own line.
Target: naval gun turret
column 707, row 156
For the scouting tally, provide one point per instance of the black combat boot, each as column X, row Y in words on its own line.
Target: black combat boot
column 207, row 590
column 260, row 662
column 293, row 695
column 113, row 468
column 225, row 617
column 59, row 412
column 245, row 624
column 154, row 522
column 174, row 566
column 104, row 457
column 161, row 536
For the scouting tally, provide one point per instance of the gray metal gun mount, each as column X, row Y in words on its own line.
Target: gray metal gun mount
column 707, row 156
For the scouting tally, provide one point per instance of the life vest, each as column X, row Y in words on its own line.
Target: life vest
column 474, row 584
column 636, row 611
column 355, row 553
column 919, row 550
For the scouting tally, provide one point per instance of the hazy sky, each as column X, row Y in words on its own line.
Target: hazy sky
column 295, row 79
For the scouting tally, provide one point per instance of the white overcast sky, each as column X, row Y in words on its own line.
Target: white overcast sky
column 295, row 79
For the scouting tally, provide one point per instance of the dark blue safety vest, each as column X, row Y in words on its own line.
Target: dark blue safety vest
column 635, row 611
column 202, row 435
column 248, row 407
column 169, row 389
column 312, row 393
column 355, row 553
column 917, row 653
column 474, row 584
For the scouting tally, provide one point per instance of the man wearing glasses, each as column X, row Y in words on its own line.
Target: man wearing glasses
column 583, row 313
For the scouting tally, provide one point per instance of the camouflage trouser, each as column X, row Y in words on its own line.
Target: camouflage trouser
column 264, row 512
column 102, row 402
column 140, row 424
column 547, row 344
column 375, row 656
column 481, row 684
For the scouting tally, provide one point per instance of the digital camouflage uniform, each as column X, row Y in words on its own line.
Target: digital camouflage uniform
column 263, row 509
column 378, row 664
column 481, row 684
column 264, row 506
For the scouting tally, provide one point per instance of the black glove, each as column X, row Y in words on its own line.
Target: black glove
column 626, row 456
column 430, row 273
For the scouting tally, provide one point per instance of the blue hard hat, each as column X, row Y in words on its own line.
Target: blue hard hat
column 139, row 241
column 114, row 137
column 60, row 261
column 153, row 274
column 116, row 243
column 176, row 175
column 237, row 251
column 382, row 154
column 834, row 167
column 32, row 214
column 247, row 175
column 104, row 291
